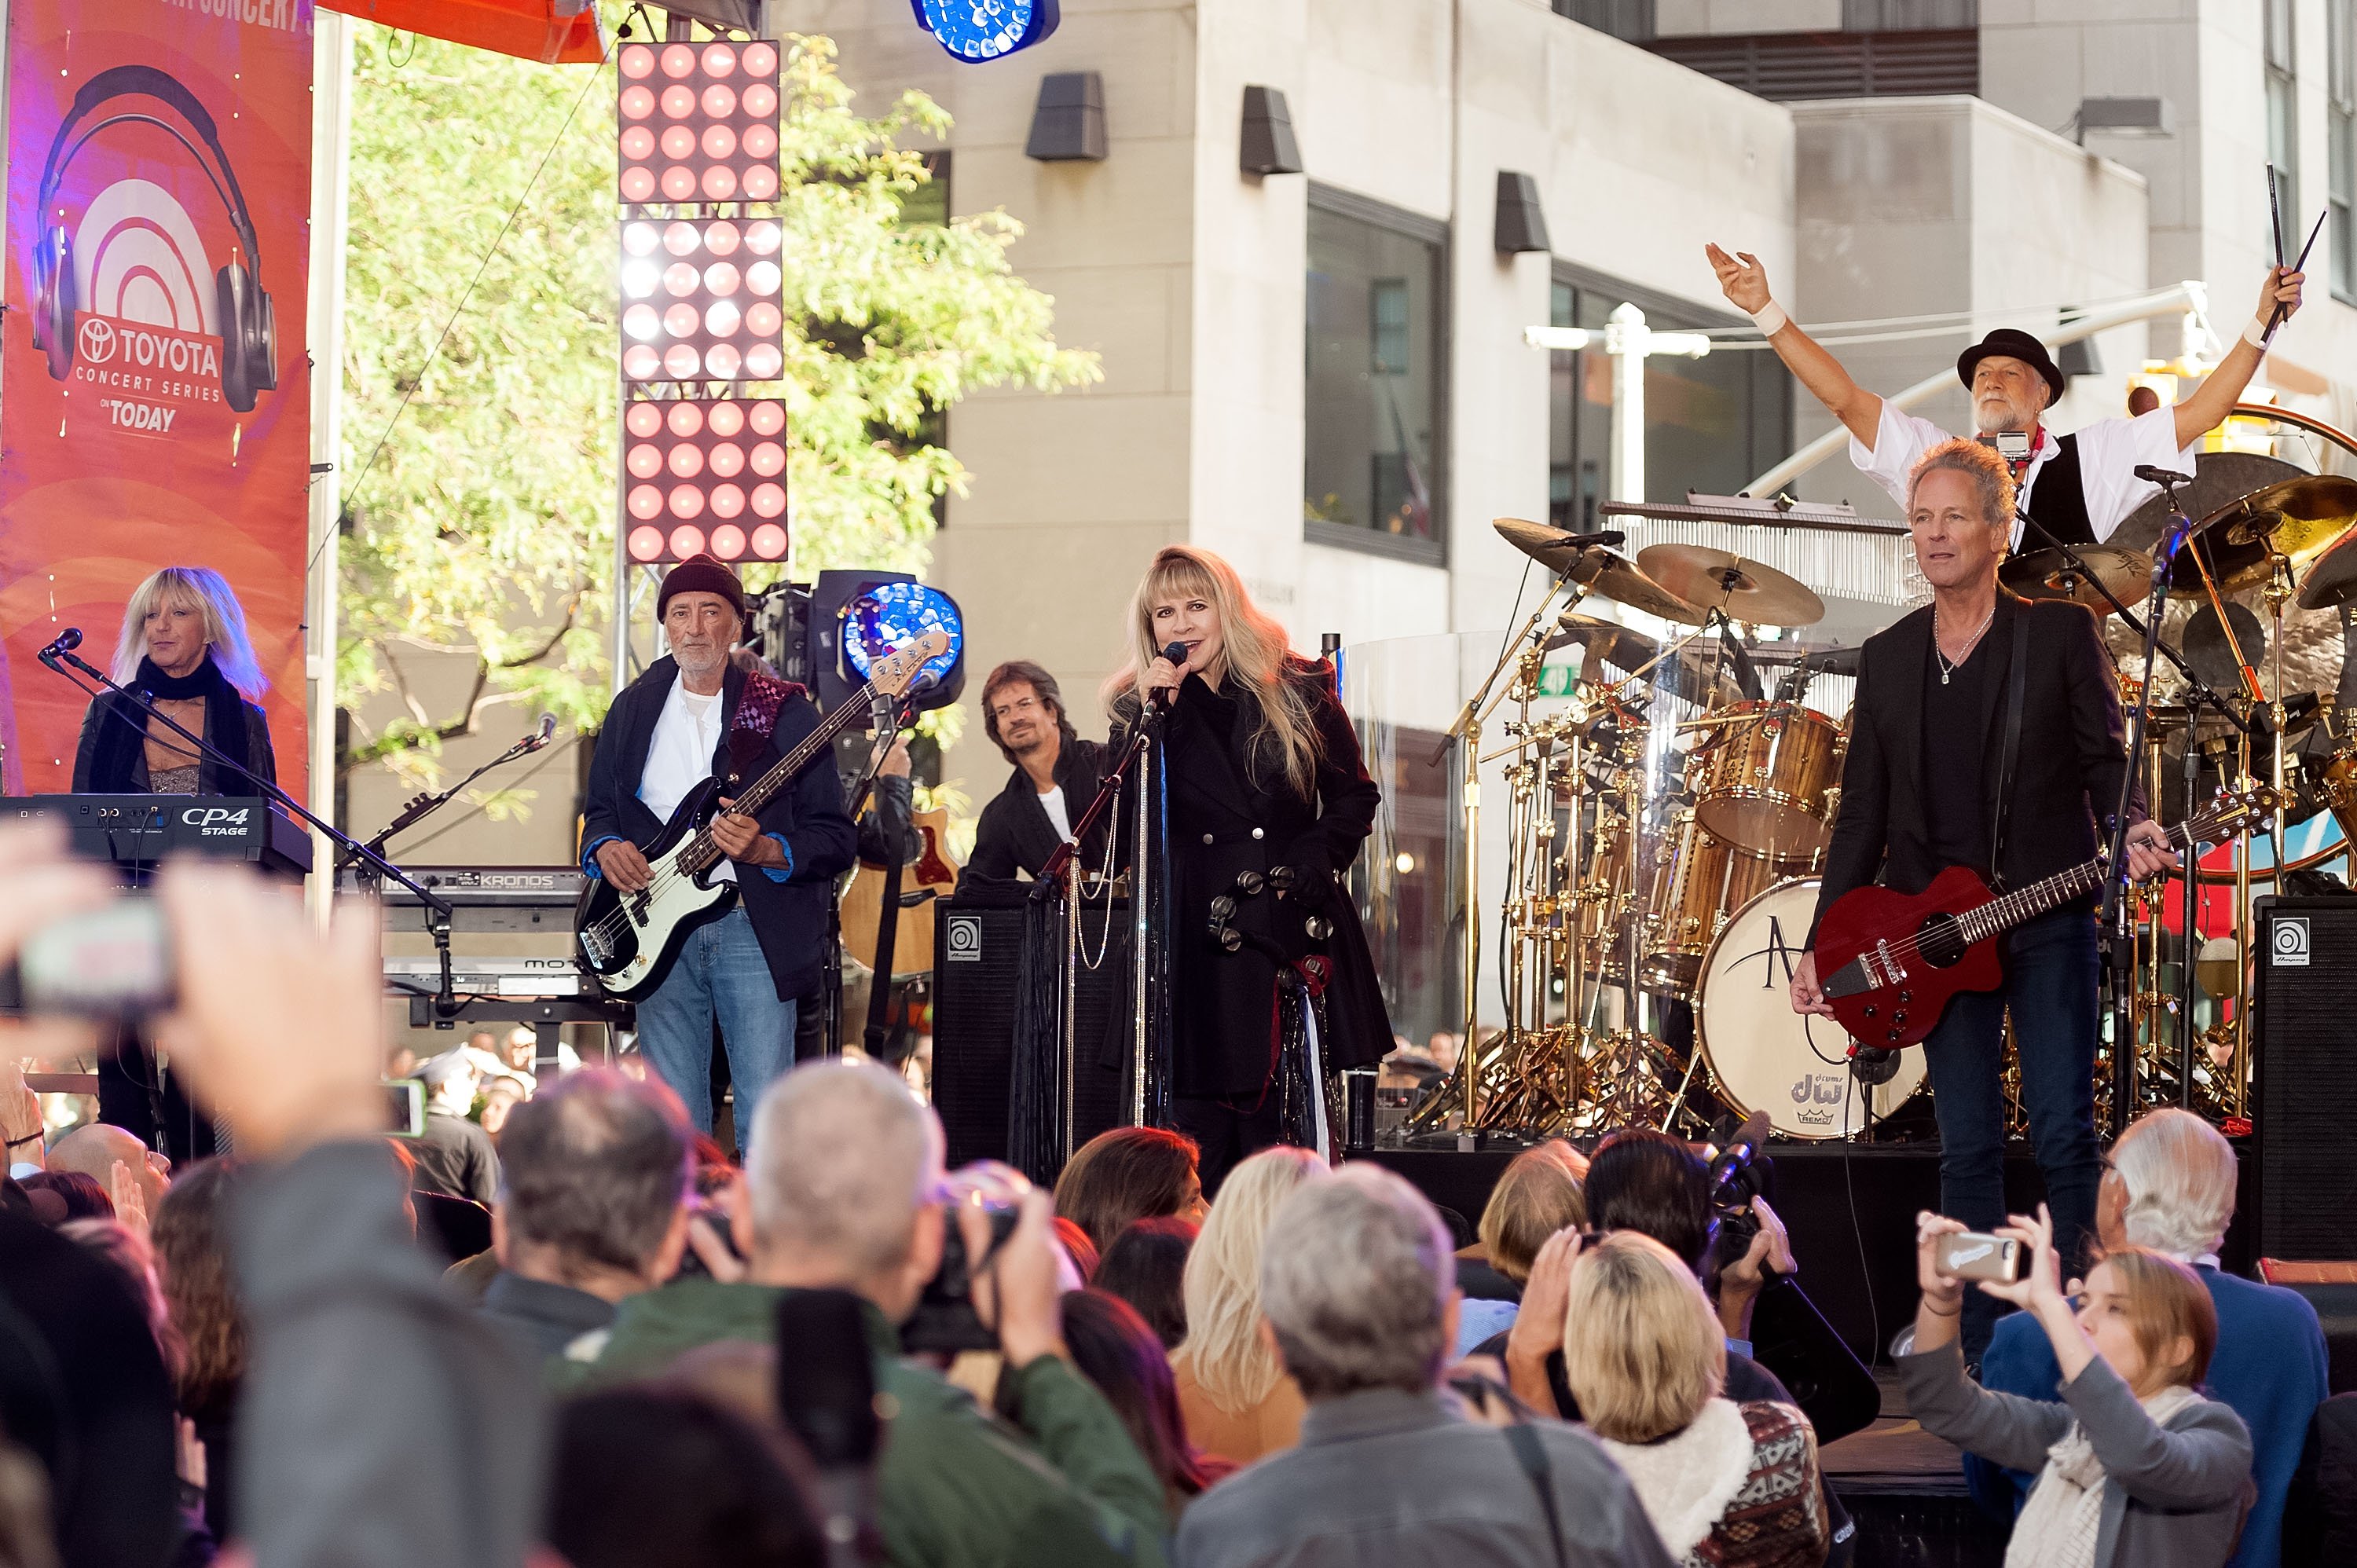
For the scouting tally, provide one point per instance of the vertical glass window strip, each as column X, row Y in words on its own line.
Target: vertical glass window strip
column 1372, row 369
column 2340, row 123
column 2283, row 120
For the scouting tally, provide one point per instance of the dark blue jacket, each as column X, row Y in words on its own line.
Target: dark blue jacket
column 2269, row 1367
column 789, row 913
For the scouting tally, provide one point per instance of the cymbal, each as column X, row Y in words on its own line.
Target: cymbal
column 1613, row 643
column 2301, row 711
column 2332, row 580
column 2298, row 516
column 2220, row 479
column 2050, row 574
column 1597, row 569
column 1745, row 589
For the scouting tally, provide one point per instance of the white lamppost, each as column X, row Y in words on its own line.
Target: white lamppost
column 1630, row 342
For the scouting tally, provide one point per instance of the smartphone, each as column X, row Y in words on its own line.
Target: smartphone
column 404, row 1106
column 1971, row 1255
column 110, row 964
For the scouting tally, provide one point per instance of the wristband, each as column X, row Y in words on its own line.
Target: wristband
column 2256, row 334
column 1770, row 319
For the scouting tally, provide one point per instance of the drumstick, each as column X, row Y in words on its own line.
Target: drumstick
column 2275, row 212
column 2275, row 319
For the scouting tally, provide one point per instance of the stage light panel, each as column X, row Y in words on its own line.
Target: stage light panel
column 698, row 121
column 890, row 616
column 703, row 299
column 706, row 475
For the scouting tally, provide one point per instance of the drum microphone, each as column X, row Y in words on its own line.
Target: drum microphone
column 1612, row 538
column 2151, row 473
column 546, row 733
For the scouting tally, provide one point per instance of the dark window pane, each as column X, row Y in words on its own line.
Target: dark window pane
column 1373, row 395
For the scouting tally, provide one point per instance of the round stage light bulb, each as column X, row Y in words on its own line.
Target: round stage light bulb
column 681, row 239
column 721, row 319
column 679, row 103
column 685, row 419
column 769, row 501
column 638, row 61
column 762, row 238
column 646, row 543
column 760, row 141
column 638, row 183
column 724, row 360
column 686, row 542
column 644, row 461
column 678, row 59
column 719, row 59
column 641, row 238
column 646, row 501
column 719, row 101
column 680, row 362
column 721, row 237
column 686, row 460
column 726, row 418
column 729, row 541
column 767, row 417
column 642, row 420
column 760, row 183
column 686, row 502
column 719, row 142
column 763, row 277
column 640, row 275
column 760, row 59
column 719, row 183
column 729, row 460
column 640, row 321
column 770, row 541
column 678, row 182
column 641, row 362
column 763, row 318
column 763, row 361
column 769, row 459
column 760, row 100
column 636, row 102
column 727, row 501
column 1403, row 862
column 638, row 144
column 721, row 279
column 679, row 279
column 681, row 319
column 677, row 142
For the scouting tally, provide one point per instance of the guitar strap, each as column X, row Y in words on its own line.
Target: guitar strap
column 2012, row 745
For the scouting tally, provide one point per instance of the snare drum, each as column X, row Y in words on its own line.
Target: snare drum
column 1767, row 780
column 1698, row 881
column 1765, row 1056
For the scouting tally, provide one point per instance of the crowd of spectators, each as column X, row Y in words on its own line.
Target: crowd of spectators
column 655, row 1356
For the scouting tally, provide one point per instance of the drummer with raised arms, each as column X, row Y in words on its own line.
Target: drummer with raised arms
column 2078, row 487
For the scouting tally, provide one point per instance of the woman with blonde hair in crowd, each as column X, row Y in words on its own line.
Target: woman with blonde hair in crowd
column 1269, row 804
column 1232, row 1390
column 1725, row 1485
column 184, row 643
column 2136, row 1468
column 1540, row 1192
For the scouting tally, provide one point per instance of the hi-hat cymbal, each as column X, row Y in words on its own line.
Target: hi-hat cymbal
column 1597, row 569
column 2220, row 479
column 1745, row 589
column 2050, row 575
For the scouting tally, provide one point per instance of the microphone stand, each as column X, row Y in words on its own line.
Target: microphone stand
column 422, row 806
column 446, row 1000
column 885, row 716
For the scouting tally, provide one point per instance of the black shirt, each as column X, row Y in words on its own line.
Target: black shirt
column 1955, row 812
column 456, row 1157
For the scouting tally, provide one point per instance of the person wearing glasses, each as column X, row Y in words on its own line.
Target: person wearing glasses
column 1055, row 778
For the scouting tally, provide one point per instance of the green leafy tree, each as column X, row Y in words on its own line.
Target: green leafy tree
column 485, row 523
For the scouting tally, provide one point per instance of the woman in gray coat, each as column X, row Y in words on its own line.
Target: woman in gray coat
column 2136, row 1469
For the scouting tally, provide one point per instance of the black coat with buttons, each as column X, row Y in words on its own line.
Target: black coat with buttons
column 1233, row 811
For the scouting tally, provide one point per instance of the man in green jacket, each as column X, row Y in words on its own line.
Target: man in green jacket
column 841, row 1192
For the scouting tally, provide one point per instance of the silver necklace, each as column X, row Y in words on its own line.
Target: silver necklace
column 1946, row 668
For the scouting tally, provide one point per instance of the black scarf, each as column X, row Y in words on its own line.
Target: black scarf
column 124, row 732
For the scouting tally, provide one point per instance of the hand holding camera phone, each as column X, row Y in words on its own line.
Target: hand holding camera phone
column 1974, row 1255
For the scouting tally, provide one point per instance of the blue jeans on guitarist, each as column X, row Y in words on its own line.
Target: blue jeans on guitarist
column 719, row 974
column 2051, row 972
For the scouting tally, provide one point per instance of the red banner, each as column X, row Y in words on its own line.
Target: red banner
column 155, row 395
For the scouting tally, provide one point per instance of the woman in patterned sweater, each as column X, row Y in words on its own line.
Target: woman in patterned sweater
column 1725, row 1485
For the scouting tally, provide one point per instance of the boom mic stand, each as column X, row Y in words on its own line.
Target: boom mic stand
column 446, row 1000
column 423, row 805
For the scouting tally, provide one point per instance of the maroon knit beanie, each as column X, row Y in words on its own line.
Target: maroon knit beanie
column 701, row 574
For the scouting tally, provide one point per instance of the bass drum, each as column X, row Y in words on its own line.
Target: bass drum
column 1766, row 1057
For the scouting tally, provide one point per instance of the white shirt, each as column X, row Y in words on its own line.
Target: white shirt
column 2109, row 451
column 1052, row 803
column 678, row 758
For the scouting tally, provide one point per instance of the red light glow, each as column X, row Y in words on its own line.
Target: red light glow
column 702, row 300
column 698, row 126
column 695, row 465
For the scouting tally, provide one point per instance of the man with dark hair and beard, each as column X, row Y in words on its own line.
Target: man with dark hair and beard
column 1055, row 778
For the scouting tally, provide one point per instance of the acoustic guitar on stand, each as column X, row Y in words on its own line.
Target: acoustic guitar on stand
column 1890, row 962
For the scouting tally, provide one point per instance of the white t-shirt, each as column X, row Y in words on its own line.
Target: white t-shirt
column 1052, row 803
column 2109, row 451
column 678, row 758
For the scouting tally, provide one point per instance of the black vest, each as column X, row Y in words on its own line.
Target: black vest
column 2057, row 501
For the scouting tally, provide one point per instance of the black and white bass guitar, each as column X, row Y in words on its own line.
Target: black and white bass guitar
column 627, row 940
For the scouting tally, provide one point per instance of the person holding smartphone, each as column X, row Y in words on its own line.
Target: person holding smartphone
column 2136, row 1466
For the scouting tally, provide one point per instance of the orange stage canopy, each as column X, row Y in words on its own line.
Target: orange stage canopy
column 529, row 29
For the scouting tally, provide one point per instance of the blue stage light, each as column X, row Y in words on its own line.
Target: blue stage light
column 892, row 614
column 977, row 30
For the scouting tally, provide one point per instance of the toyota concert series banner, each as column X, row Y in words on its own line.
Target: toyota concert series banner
column 155, row 404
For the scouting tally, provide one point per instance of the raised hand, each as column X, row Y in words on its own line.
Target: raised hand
column 1745, row 280
column 2042, row 1285
column 2282, row 288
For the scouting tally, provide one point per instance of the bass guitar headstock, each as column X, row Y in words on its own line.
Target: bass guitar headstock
column 892, row 673
column 2233, row 810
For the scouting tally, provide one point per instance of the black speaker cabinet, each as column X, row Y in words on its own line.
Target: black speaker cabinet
column 977, row 970
column 2304, row 1033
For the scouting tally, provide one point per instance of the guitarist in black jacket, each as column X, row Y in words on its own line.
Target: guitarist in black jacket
column 1056, row 776
column 695, row 715
column 1921, row 791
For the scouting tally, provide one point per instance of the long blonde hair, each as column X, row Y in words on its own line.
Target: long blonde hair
column 1642, row 1350
column 1224, row 1349
column 1252, row 642
column 224, row 627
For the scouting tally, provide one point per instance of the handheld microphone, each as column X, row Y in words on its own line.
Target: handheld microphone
column 1176, row 653
column 64, row 643
column 826, row 1395
column 2152, row 474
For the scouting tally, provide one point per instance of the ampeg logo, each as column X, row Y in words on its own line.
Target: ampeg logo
column 964, row 938
column 2291, row 942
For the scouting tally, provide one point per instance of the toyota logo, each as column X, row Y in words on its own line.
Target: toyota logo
column 97, row 340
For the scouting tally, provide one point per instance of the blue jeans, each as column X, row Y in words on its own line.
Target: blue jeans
column 719, row 973
column 2050, row 970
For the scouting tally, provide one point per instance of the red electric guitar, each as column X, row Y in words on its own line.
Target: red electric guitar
column 1890, row 962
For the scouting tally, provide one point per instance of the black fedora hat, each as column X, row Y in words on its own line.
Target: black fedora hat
column 2013, row 343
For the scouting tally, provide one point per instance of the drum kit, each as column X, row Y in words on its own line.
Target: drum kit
column 1670, row 795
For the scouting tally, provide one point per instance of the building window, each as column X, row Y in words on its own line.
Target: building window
column 1375, row 417
column 1710, row 423
column 2283, row 122
column 2340, row 121
column 1629, row 19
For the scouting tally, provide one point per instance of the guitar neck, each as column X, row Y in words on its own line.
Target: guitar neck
column 703, row 853
column 2002, row 914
